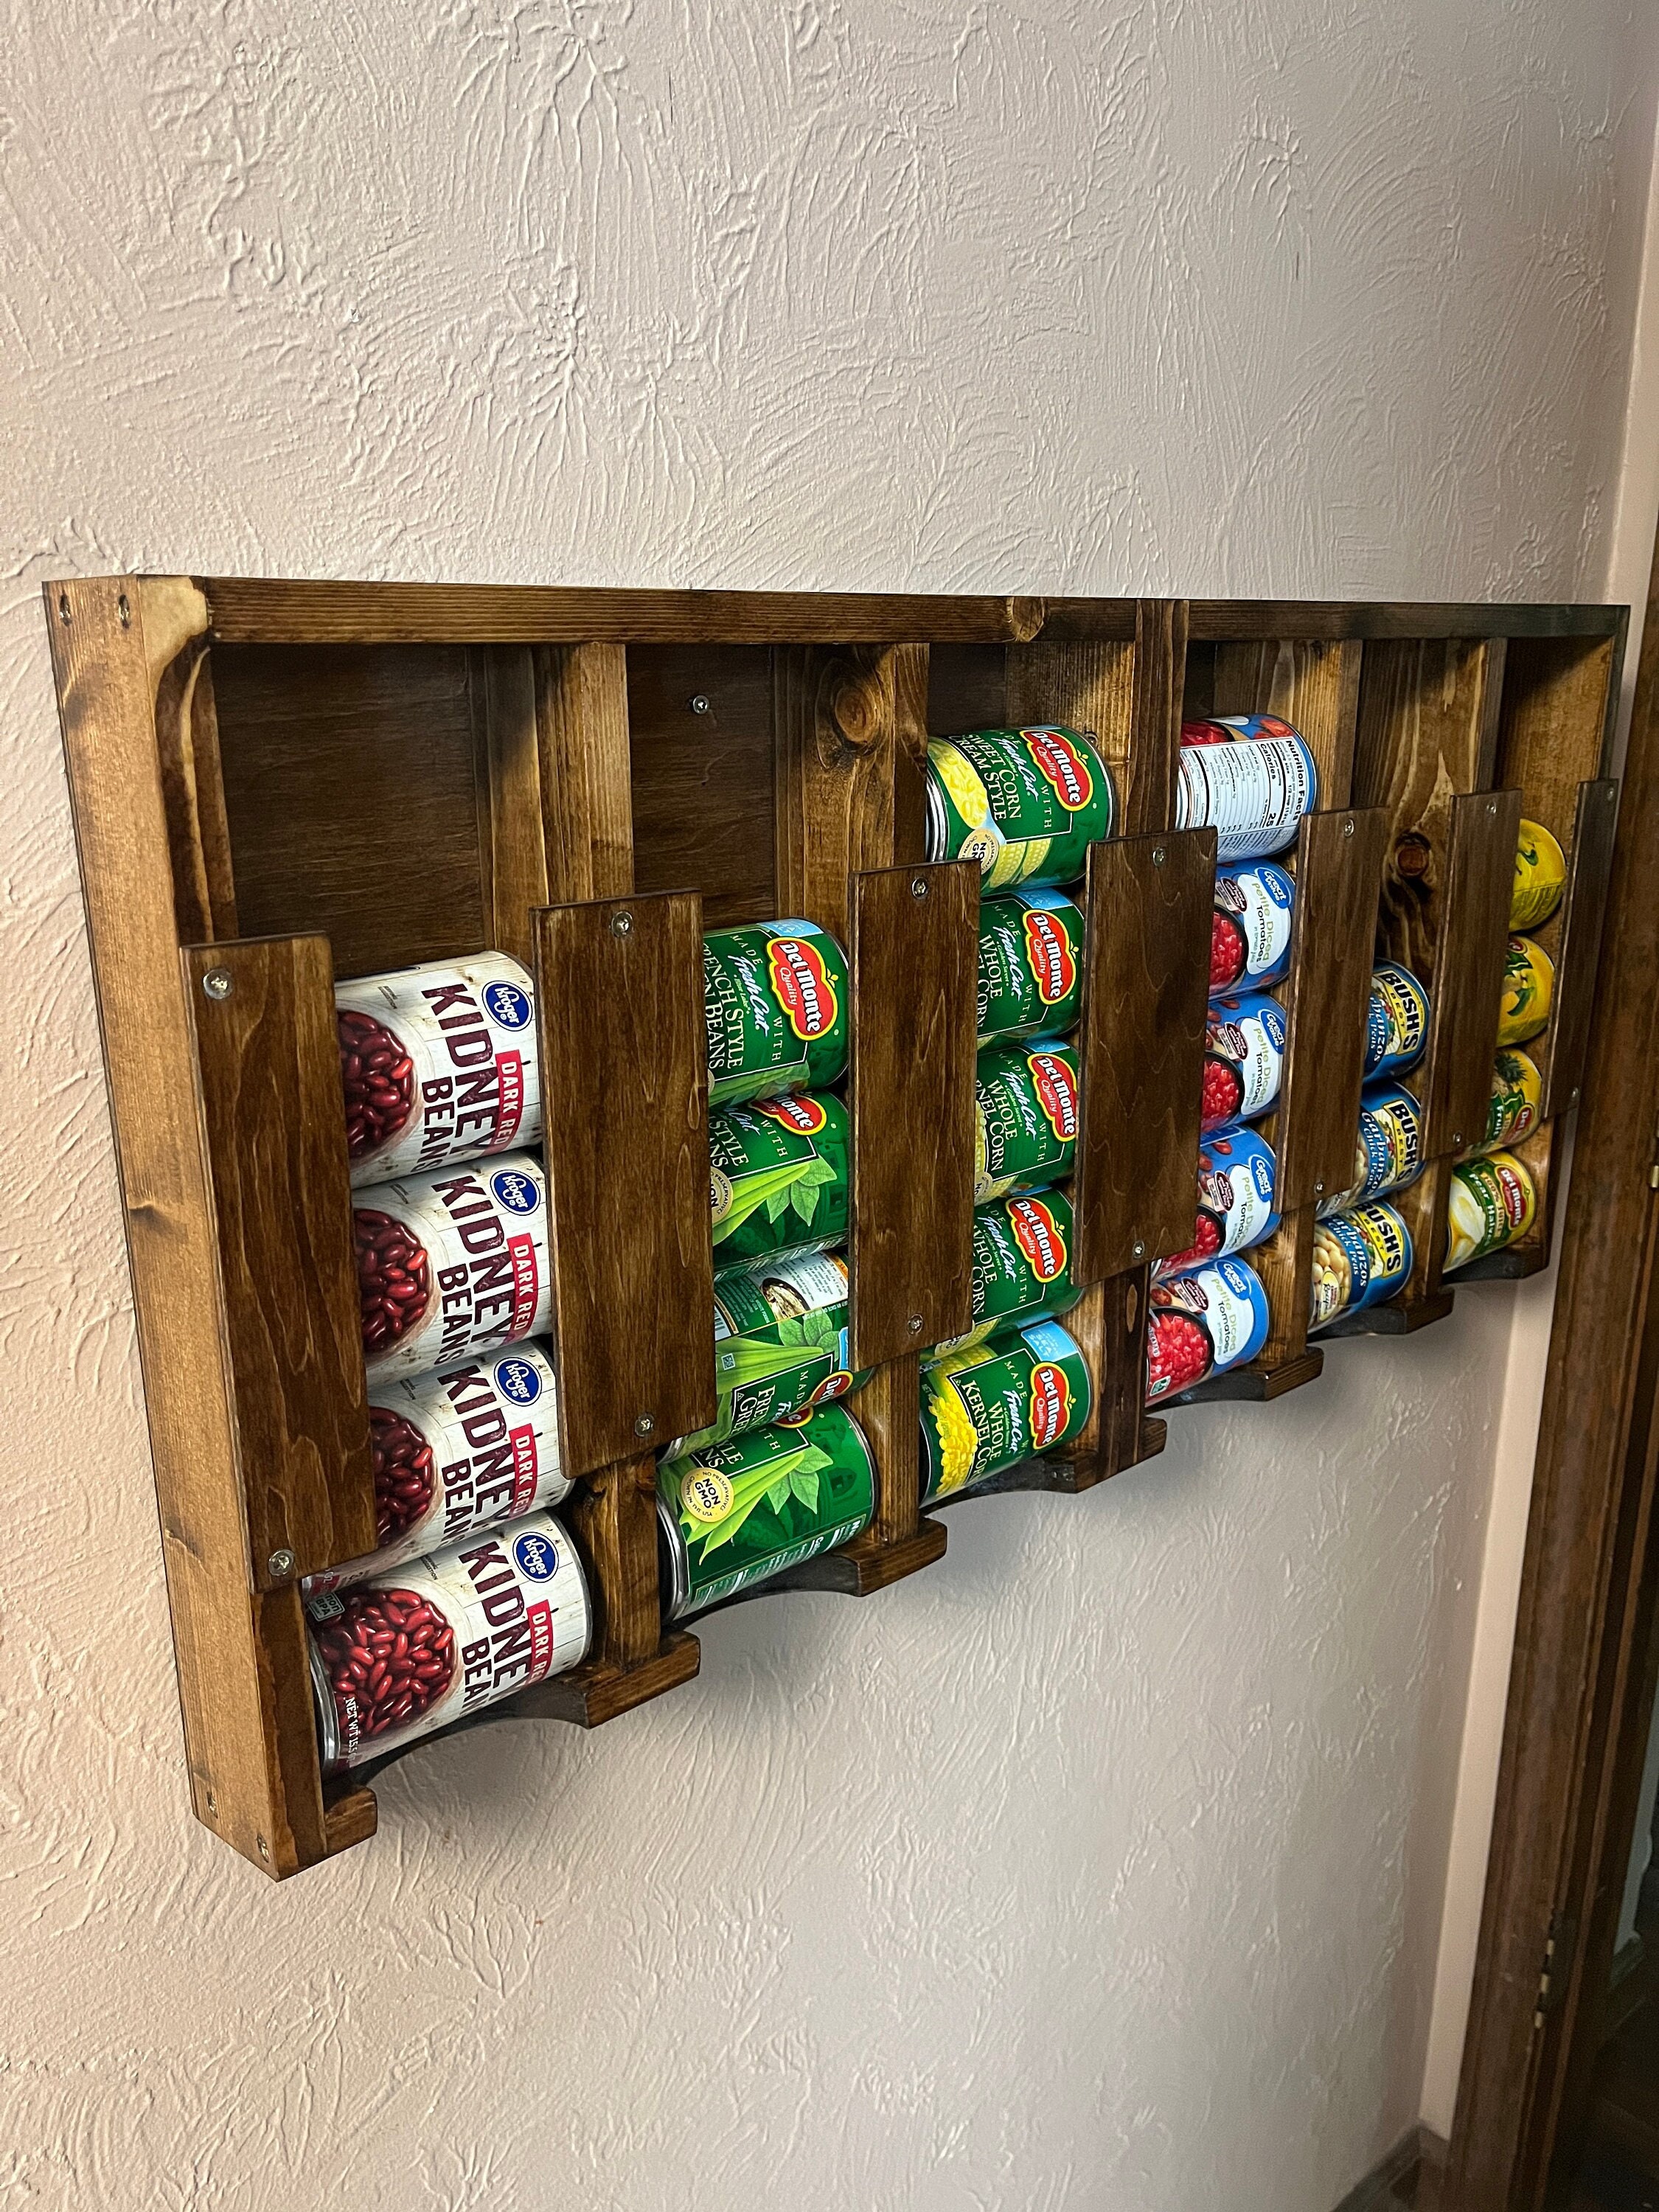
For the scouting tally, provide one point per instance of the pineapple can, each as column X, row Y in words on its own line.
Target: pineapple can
column 1517, row 1097
column 1541, row 875
column 1025, row 1117
column 1529, row 988
column 1026, row 804
column 781, row 1344
column 778, row 1175
column 1021, row 1265
column 775, row 1002
column 1030, row 964
column 986, row 1408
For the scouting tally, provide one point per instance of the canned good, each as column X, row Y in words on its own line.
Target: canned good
column 1201, row 1323
column 1541, row 875
column 1030, row 965
column 1397, row 1020
column 781, row 1344
column 1517, row 1098
column 1021, row 1265
column 1025, row 1114
column 1237, row 1177
column 775, row 999
column 438, row 1065
column 1389, row 1151
column 1244, row 1057
column 1250, row 933
column 1491, row 1201
column 1026, row 804
column 1360, row 1258
column 777, row 1173
column 1022, row 1394
column 453, row 1264
column 460, row 1449
column 1528, row 987
column 437, row 1638
column 1233, row 729
column 1253, row 795
column 732, row 1514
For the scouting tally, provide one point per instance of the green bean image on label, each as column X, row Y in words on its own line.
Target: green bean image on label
column 774, row 1001
column 780, row 1343
column 778, row 1178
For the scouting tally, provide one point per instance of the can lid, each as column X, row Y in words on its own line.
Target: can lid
column 329, row 1740
column 937, row 827
column 676, row 1583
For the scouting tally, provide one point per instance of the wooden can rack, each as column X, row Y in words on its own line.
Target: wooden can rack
column 275, row 783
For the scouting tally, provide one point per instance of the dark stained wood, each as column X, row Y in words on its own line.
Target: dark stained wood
column 1284, row 1263
column 910, row 752
column 268, row 1082
column 1465, row 995
column 1390, row 619
column 243, row 1685
column 899, row 1541
column 1338, row 872
column 581, row 725
column 1563, row 1048
column 187, row 748
column 270, row 610
column 914, row 954
column 1086, row 684
column 351, row 1815
column 512, row 850
column 593, row 1693
column 1312, row 684
column 967, row 688
column 625, row 1106
column 1422, row 1207
column 1257, row 1385
column 351, row 790
column 835, row 715
column 1396, row 1319
column 1161, row 633
column 1110, row 1323
column 703, row 781
column 1150, row 899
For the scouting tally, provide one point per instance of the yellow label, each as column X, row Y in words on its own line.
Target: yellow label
column 1540, row 872
column 705, row 1495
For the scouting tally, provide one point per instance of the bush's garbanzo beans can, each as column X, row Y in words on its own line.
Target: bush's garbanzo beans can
column 1360, row 1258
column 1389, row 1153
column 1397, row 1021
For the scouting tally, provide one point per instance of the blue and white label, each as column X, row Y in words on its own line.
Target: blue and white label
column 1253, row 794
column 517, row 1380
column 536, row 1556
column 1259, row 900
column 515, row 1190
column 507, row 1006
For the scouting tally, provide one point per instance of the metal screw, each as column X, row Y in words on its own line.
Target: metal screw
column 212, row 1803
column 1319, row 1190
column 915, row 1324
column 644, row 1424
column 1347, row 827
column 63, row 606
column 698, row 703
column 918, row 887
column 1158, row 856
column 1140, row 1247
column 264, row 1849
column 1572, row 1096
column 124, row 611
column 622, row 924
column 217, row 982
column 1457, row 1136
column 1491, row 806
column 280, row 1564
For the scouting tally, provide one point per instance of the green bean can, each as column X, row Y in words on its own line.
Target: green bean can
column 1022, row 1266
column 780, row 1343
column 1022, row 1394
column 774, row 1000
column 1026, row 804
column 735, row 1514
column 1030, row 965
column 778, row 1178
column 1025, row 1109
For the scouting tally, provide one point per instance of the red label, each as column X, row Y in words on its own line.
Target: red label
column 526, row 1283
column 523, row 1441
column 800, row 984
column 1513, row 1194
column 1051, row 1404
column 1063, row 765
column 1048, row 955
column 539, row 1617
column 833, row 1386
column 509, row 1098
column 1056, row 1093
column 1039, row 1237
column 799, row 1113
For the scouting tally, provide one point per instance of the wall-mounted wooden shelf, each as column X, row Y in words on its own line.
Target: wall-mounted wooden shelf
column 276, row 784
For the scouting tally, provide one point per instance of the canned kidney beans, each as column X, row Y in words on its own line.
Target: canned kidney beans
column 453, row 1263
column 1237, row 1177
column 1244, row 1057
column 1250, row 933
column 1201, row 1323
column 461, row 1448
column 438, row 1064
column 439, row 1637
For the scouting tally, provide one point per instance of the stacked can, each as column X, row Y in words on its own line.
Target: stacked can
column 1026, row 804
column 1237, row 1184
column 1251, row 778
column 1360, row 1257
column 1022, row 1266
column 988, row 1407
column 1202, row 1322
column 1389, row 1149
column 781, row 1344
column 1491, row 1201
column 1528, row 993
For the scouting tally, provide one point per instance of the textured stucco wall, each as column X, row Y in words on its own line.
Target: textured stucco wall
column 1101, row 1866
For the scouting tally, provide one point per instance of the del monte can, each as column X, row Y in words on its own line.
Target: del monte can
column 774, row 998
column 1021, row 1265
column 1026, row 1111
column 1030, row 965
column 1026, row 804
column 1024, row 1393
column 780, row 1339
column 777, row 1172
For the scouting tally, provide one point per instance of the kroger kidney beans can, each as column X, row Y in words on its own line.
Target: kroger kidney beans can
column 1388, row 1152
column 735, row 1514
column 1360, row 1258
column 1491, row 1202
column 429, row 1641
column 778, row 1174
column 439, row 1064
column 1030, row 965
column 989, row 1407
column 1254, row 795
column 1026, row 804
column 1202, row 1322
column 1244, row 1057
column 1021, row 1265
column 1397, row 1020
column 453, row 1264
column 1238, row 1178
column 1528, row 987
column 774, row 998
column 461, row 1448
column 1517, row 1096
column 1025, row 1109
column 1250, row 933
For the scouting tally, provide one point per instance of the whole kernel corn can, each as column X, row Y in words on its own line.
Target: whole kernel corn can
column 1030, row 965
column 1237, row 1186
column 735, row 1514
column 1517, row 1098
column 1528, row 989
column 1021, row 1393
column 1491, row 1202
column 1541, row 875
column 1360, row 1258
column 775, row 1002
column 1202, row 1322
column 1397, row 1021
column 1025, row 1117
column 1022, row 1266
column 778, row 1174
column 1026, row 804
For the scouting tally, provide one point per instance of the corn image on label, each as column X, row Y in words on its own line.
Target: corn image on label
column 1026, row 804
column 1021, row 1265
column 986, row 1408
column 777, row 1174
column 1529, row 988
column 1030, row 964
column 1397, row 1021
column 1360, row 1258
column 1541, row 875
column 1517, row 1097
column 1492, row 1202
column 1025, row 1117
column 774, row 1001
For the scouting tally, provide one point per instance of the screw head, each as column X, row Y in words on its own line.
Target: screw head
column 918, row 887
column 1572, row 1096
column 264, row 1849
column 698, row 703
column 217, row 983
column 622, row 924
column 1140, row 1247
column 915, row 1324
column 1491, row 806
column 1347, row 827
column 1159, row 856
column 63, row 606
column 123, row 611
column 280, row 1564
column 1319, row 1190
column 644, row 1424
column 1457, row 1136
column 212, row 1803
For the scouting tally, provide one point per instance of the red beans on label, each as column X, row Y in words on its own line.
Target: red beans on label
column 404, row 1478
column 389, row 1657
column 394, row 1278
column 379, row 1079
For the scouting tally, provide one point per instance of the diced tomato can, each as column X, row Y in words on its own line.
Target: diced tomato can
column 437, row 1639
column 1024, row 1393
column 1202, row 1322
column 1491, row 1202
column 438, row 1064
column 1244, row 1057
column 1238, row 1182
column 1022, row 1266
column 1025, row 1107
column 1253, row 794
column 453, row 1264
column 1250, row 932
column 775, row 1004
column 1030, row 965
column 1360, row 1258
column 1397, row 1021
column 1026, row 804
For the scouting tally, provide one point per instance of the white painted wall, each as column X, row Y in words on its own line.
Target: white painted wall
column 1104, row 1865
